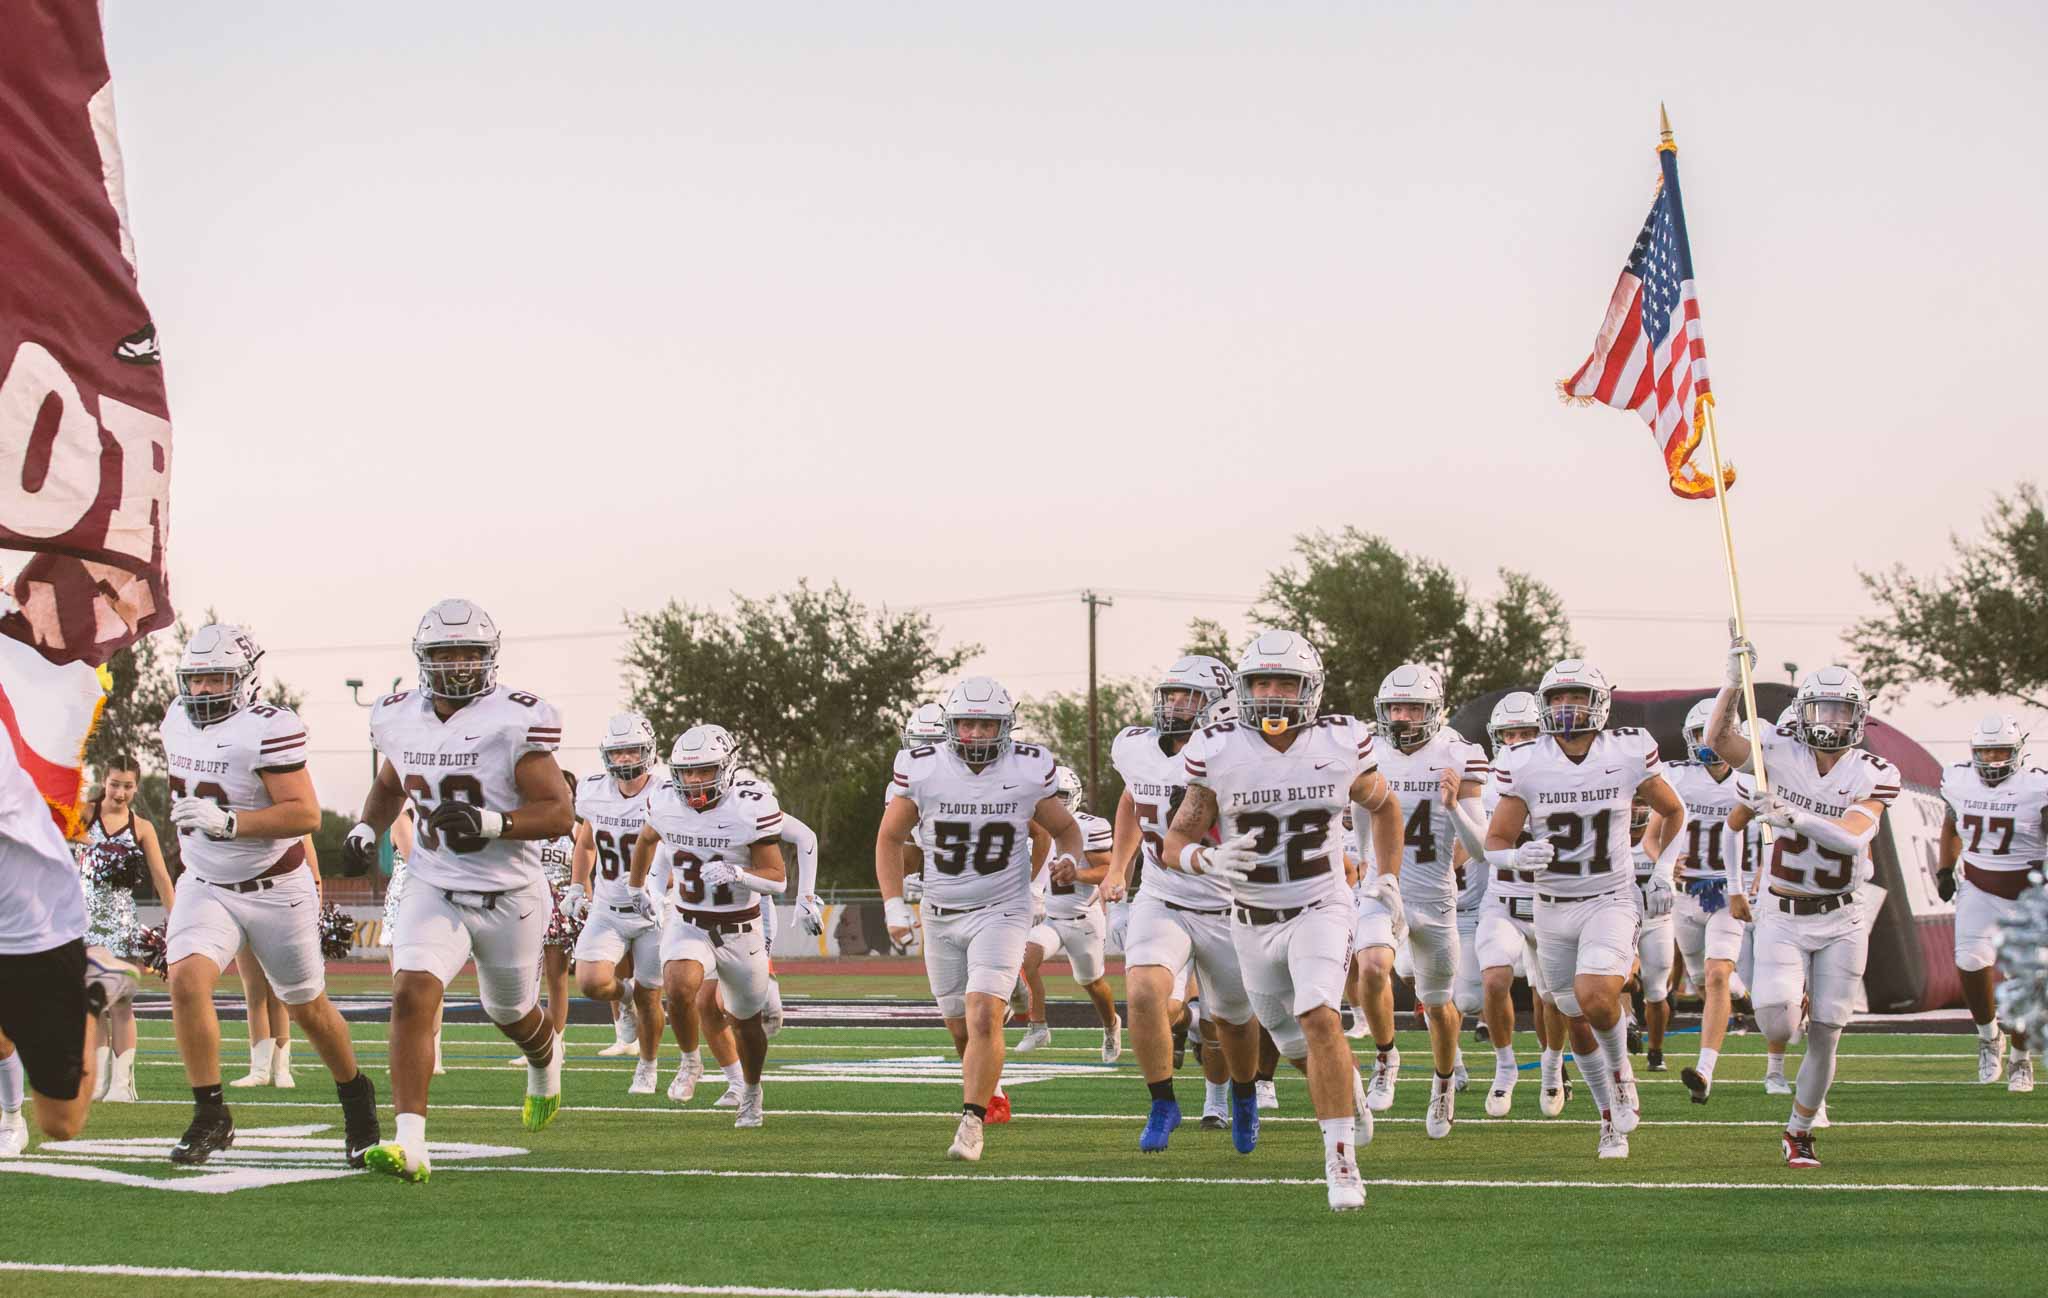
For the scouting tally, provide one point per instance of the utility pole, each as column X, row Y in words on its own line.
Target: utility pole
column 1094, row 602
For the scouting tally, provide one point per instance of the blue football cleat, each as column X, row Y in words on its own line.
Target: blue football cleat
column 1165, row 1117
column 1244, row 1123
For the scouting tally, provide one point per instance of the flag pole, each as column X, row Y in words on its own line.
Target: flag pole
column 1736, row 623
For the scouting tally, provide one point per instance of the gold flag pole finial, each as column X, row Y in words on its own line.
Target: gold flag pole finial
column 1664, row 129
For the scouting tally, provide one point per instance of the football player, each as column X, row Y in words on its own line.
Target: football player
column 477, row 763
column 1506, row 933
column 1074, row 923
column 1572, row 789
column 1716, row 860
column 611, row 808
column 1656, row 952
column 1826, row 799
column 1378, row 930
column 1278, row 781
column 722, row 847
column 1419, row 755
column 980, row 793
column 1177, row 920
column 242, row 801
column 1997, row 825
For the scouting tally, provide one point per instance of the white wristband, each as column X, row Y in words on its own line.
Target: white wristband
column 1189, row 858
column 896, row 913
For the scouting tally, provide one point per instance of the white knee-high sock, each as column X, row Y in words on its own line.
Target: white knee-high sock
column 11, row 1083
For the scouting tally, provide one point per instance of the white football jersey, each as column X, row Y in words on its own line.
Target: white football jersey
column 1645, row 864
column 1068, row 901
column 615, row 819
column 1505, row 882
column 224, row 763
column 1293, row 800
column 1707, row 804
column 471, row 757
column 2000, row 823
column 1581, row 807
column 1799, row 866
column 725, row 831
column 977, row 850
column 1428, row 838
column 1157, row 781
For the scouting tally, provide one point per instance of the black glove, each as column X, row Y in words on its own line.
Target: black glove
column 1945, row 883
column 457, row 819
column 359, row 851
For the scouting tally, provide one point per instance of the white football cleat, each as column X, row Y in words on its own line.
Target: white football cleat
column 1113, row 1040
column 1379, row 1094
column 684, row 1088
column 966, row 1146
column 2021, row 1079
column 13, row 1134
column 1628, row 1106
column 731, row 1098
column 1500, row 1098
column 1437, row 1124
column 1035, row 1035
column 644, row 1078
column 1775, row 1084
column 1613, row 1142
column 750, row 1107
column 1347, row 1191
column 1991, row 1058
column 1269, row 1095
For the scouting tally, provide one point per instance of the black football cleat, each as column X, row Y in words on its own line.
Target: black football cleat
column 211, row 1130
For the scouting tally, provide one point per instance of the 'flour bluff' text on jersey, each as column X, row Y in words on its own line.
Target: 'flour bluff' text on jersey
column 978, row 837
column 471, row 757
column 1156, row 781
column 1294, row 801
column 1707, row 804
column 224, row 764
column 1580, row 805
column 615, row 820
column 1800, row 867
column 691, row 839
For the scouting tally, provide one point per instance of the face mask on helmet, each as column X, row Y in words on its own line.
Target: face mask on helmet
column 1830, row 725
column 1573, row 710
column 210, row 695
column 701, row 786
column 1994, row 763
column 979, row 740
column 1638, row 818
column 1275, row 702
column 1696, row 744
column 458, row 671
column 627, row 763
column 1178, row 709
column 1414, row 724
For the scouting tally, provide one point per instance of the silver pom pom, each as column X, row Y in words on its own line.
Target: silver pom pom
column 2023, row 959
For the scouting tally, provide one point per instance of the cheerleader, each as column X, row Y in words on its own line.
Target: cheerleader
column 117, row 842
column 555, row 856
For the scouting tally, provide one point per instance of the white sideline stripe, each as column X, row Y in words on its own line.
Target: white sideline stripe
column 472, row 1282
column 1136, row 1119
column 750, row 1174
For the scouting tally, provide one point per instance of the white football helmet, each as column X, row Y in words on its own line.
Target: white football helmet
column 1995, row 732
column 1067, row 788
column 1831, row 709
column 1638, row 816
column 696, row 751
column 1281, row 654
column 926, row 727
column 747, row 775
column 1516, row 711
column 979, row 698
column 1574, row 718
column 628, row 747
column 218, row 649
column 1695, row 732
column 1187, row 691
column 457, row 624
column 1410, row 683
column 1789, row 715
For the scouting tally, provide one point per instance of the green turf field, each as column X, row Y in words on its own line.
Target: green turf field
column 847, row 1187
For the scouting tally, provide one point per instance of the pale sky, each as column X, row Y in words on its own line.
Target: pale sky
column 574, row 308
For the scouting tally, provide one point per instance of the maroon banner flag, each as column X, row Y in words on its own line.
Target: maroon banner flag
column 85, row 432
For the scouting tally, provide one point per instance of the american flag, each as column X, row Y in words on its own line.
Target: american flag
column 1651, row 355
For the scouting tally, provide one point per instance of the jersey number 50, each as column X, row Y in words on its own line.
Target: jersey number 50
column 954, row 844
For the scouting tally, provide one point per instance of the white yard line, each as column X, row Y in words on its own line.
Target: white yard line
column 472, row 1282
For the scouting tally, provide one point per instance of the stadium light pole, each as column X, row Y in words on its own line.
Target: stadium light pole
column 1095, row 603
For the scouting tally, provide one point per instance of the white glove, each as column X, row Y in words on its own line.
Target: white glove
column 1234, row 860
column 717, row 874
column 574, row 902
column 896, row 914
column 209, row 818
column 1658, row 898
column 1739, row 648
column 642, row 902
column 1119, row 922
column 810, row 912
column 913, row 888
column 1063, row 865
column 1536, row 854
column 1779, row 814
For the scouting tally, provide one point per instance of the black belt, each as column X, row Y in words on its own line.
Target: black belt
column 1193, row 910
column 484, row 900
column 943, row 911
column 1810, row 905
column 268, row 879
column 626, row 910
column 1260, row 917
column 722, row 921
column 1561, row 900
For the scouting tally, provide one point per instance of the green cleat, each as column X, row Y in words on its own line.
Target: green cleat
column 539, row 1111
column 391, row 1159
